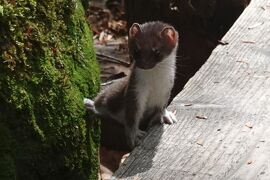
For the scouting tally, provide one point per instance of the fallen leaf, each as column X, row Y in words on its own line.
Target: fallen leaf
column 109, row 37
column 101, row 36
column 124, row 158
column 222, row 42
column 249, row 125
column 201, row 117
column 95, row 36
column 249, row 42
column 256, row 25
column 243, row 62
column 200, row 142
column 105, row 173
column 263, row 8
column 249, row 162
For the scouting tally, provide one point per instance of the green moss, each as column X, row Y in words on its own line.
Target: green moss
column 47, row 67
column 7, row 164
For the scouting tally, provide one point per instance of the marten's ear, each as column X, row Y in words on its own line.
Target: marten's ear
column 170, row 34
column 134, row 30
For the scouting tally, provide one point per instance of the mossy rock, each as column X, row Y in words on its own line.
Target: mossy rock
column 47, row 67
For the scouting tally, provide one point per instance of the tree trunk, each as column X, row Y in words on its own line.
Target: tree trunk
column 47, row 67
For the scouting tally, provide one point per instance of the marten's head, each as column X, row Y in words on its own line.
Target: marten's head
column 151, row 43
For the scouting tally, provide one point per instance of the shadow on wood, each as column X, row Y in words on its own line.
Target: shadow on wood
column 148, row 150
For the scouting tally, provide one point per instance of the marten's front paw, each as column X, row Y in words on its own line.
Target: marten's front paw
column 168, row 117
column 90, row 105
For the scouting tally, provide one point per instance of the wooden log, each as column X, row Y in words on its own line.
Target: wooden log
column 231, row 92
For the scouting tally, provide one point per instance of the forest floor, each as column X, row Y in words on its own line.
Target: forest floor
column 110, row 38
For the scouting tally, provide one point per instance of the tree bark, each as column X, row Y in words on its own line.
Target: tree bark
column 47, row 67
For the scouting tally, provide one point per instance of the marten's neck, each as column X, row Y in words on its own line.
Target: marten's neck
column 153, row 86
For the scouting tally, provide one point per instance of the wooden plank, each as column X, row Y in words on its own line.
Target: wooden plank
column 232, row 90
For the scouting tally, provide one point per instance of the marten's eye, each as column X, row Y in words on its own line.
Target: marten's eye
column 156, row 52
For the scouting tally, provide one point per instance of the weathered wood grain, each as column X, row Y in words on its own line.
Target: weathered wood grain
column 232, row 92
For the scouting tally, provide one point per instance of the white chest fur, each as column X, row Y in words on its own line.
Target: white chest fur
column 154, row 85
